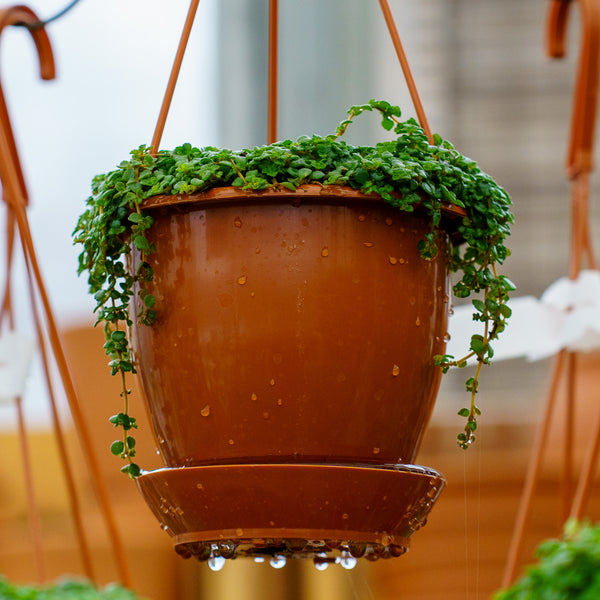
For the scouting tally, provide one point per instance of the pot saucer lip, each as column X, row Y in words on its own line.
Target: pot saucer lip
column 314, row 192
column 401, row 468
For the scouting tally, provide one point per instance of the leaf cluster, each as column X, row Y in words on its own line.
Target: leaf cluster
column 65, row 590
column 568, row 568
column 407, row 172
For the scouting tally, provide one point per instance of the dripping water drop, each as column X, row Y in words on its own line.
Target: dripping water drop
column 347, row 561
column 278, row 561
column 216, row 563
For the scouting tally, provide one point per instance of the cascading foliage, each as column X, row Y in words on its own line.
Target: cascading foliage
column 407, row 172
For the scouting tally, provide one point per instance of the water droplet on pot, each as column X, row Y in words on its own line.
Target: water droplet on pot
column 320, row 564
column 347, row 561
column 412, row 300
column 361, row 217
column 279, row 401
column 388, row 221
column 259, row 559
column 231, row 442
column 265, row 415
column 418, row 322
column 199, row 486
column 278, row 561
column 216, row 563
column 257, row 251
column 376, row 450
column 205, row 411
column 395, row 370
column 451, row 311
column 393, row 260
column 402, row 260
column 397, row 550
column 227, row 549
column 325, row 251
column 345, row 516
column 447, row 337
column 242, row 280
column 368, row 244
column 237, row 222
column 239, row 532
column 272, row 382
column 357, row 549
column 253, row 396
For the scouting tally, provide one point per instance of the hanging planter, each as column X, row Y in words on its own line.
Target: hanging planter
column 289, row 312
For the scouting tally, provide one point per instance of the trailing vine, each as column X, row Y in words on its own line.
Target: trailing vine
column 406, row 171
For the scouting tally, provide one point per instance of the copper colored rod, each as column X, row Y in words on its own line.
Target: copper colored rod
column 569, row 425
column 166, row 104
column 410, row 82
column 586, row 478
column 78, row 418
column 6, row 309
column 579, row 219
column 10, row 184
column 60, row 437
column 583, row 115
column 580, row 188
column 33, row 512
column 272, row 107
column 531, row 477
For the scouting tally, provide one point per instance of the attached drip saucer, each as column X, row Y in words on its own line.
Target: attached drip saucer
column 330, row 513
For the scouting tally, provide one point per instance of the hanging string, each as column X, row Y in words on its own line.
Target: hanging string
column 273, row 63
column 40, row 24
column 13, row 195
column 166, row 104
column 410, row 82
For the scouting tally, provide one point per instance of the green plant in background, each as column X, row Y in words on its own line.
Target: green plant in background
column 66, row 590
column 568, row 569
column 407, row 172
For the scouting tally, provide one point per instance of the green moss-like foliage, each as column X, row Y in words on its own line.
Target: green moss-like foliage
column 406, row 172
column 66, row 590
column 568, row 568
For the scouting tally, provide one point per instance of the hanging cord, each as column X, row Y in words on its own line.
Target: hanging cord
column 166, row 104
column 13, row 194
column 39, row 24
column 410, row 82
column 273, row 63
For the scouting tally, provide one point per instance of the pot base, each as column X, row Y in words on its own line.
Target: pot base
column 331, row 513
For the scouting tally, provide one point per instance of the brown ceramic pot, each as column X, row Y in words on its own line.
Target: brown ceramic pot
column 294, row 328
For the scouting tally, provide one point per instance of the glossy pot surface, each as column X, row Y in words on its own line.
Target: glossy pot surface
column 292, row 327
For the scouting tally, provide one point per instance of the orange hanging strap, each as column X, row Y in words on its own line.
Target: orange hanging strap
column 583, row 116
column 580, row 153
column 272, row 108
column 11, row 16
column 13, row 194
column 410, row 82
column 166, row 104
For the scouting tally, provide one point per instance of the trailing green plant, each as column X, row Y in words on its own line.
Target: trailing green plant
column 407, row 172
column 65, row 590
column 568, row 568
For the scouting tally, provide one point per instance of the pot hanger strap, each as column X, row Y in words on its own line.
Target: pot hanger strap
column 272, row 72
column 17, row 15
column 583, row 119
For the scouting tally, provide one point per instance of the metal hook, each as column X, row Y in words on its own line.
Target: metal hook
column 583, row 119
column 16, row 15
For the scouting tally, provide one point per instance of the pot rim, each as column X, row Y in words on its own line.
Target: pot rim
column 326, row 193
